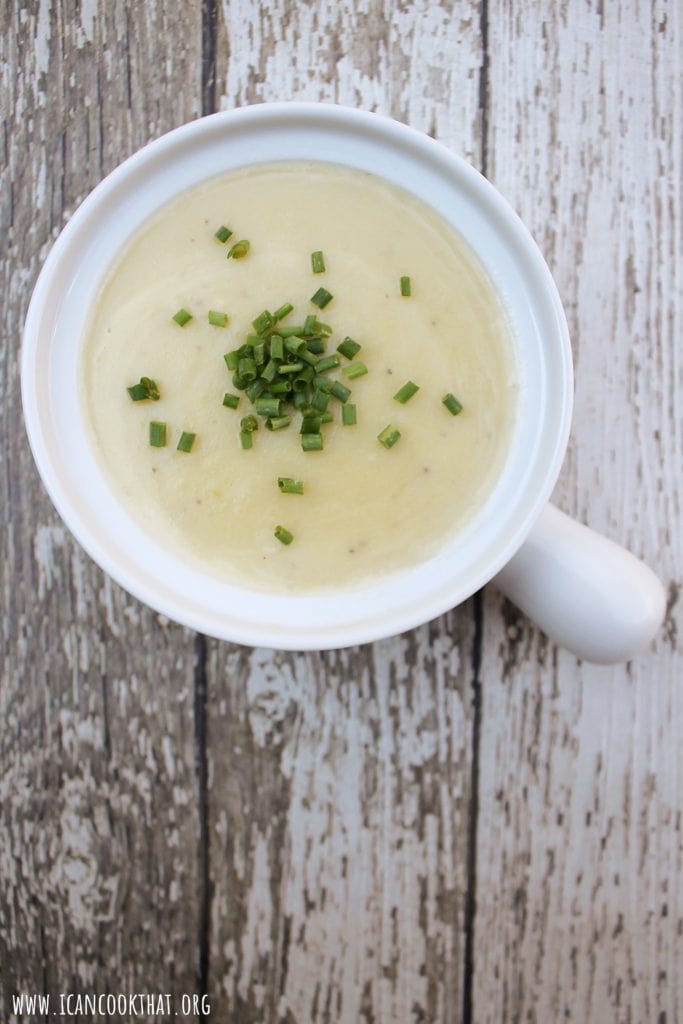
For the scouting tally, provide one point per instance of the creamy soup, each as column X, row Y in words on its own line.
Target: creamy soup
column 366, row 509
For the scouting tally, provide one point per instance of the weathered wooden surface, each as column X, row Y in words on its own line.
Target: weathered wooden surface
column 462, row 823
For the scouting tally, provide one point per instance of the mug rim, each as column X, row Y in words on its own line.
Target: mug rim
column 259, row 631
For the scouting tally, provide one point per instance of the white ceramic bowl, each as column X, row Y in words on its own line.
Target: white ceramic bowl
column 74, row 272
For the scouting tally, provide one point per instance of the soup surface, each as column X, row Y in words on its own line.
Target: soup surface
column 366, row 509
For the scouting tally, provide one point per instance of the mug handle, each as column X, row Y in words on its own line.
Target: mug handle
column 583, row 590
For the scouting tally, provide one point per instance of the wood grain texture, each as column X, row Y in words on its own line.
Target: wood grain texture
column 98, row 815
column 339, row 784
column 580, row 849
column 295, row 831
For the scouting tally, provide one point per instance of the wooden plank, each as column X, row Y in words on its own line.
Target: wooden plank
column 579, row 904
column 339, row 784
column 98, row 864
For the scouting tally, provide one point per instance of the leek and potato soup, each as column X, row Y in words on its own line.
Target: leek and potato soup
column 297, row 378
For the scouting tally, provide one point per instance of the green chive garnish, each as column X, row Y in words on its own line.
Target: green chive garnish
column 283, row 311
column 389, row 436
column 249, row 424
column 217, row 319
column 246, row 368
column 354, row 370
column 405, row 287
column 278, row 422
column 310, row 424
column 239, row 250
column 348, row 348
column 316, row 347
column 289, row 486
column 312, row 442
column 321, row 298
column 349, row 414
column 289, row 332
column 309, row 324
column 138, row 392
column 231, row 401
column 182, row 317
column 186, row 441
column 320, row 401
column 232, row 359
column 157, row 434
column 263, row 321
column 406, row 392
column 285, row 368
column 146, row 389
column 267, row 406
column 277, row 347
column 339, row 391
column 246, row 440
column 223, row 233
column 284, row 535
column 317, row 263
column 452, row 404
column 327, row 363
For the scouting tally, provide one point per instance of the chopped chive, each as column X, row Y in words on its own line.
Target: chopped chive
column 246, row 368
column 317, row 262
column 269, row 372
column 283, row 311
column 280, row 387
column 309, row 325
column 283, row 535
column 290, row 367
column 327, row 363
column 239, row 250
column 354, row 370
column 232, row 359
column 295, row 345
column 246, row 440
column 186, row 441
column 277, row 347
column 339, row 391
column 348, row 348
column 406, row 289
column 312, row 442
column 260, row 352
column 349, row 414
column 452, row 404
column 157, row 434
column 405, row 393
column 256, row 388
column 321, row 298
column 182, row 317
column 218, row 319
column 249, row 423
column 300, row 398
column 138, row 392
column 231, row 401
column 145, row 389
column 322, row 328
column 389, row 436
column 239, row 382
column 223, row 233
column 263, row 322
column 289, row 486
column 327, row 417
column 278, row 422
column 320, row 401
column 316, row 346
column 322, row 384
column 152, row 388
column 310, row 424
column 267, row 406
column 289, row 332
